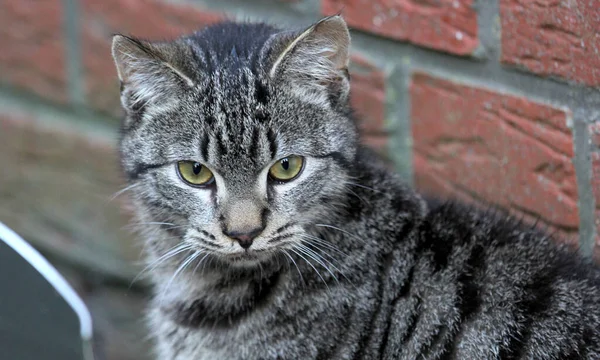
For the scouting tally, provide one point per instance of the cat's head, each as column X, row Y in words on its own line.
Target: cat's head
column 237, row 138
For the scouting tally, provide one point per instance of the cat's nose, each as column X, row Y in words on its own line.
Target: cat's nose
column 244, row 238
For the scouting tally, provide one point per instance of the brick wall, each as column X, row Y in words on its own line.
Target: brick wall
column 489, row 101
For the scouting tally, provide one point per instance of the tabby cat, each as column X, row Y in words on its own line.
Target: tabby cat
column 272, row 234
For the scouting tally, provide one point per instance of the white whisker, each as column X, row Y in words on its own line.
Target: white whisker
column 150, row 267
column 183, row 265
column 118, row 193
column 133, row 225
column 312, row 266
column 359, row 198
column 328, row 261
column 323, row 243
column 200, row 262
column 338, row 229
column 297, row 268
column 362, row 186
column 311, row 254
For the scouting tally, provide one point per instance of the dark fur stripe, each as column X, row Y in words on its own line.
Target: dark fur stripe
column 140, row 169
column 537, row 298
column 204, row 146
column 261, row 93
column 272, row 143
column 200, row 313
column 254, row 149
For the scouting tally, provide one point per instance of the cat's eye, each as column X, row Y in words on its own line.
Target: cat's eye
column 286, row 169
column 194, row 173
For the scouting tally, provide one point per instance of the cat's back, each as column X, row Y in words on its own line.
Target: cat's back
column 485, row 286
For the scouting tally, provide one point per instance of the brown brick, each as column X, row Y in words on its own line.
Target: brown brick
column 33, row 54
column 150, row 19
column 56, row 193
column 553, row 38
column 368, row 100
column 446, row 25
column 484, row 146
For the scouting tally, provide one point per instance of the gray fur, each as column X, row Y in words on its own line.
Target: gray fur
column 349, row 263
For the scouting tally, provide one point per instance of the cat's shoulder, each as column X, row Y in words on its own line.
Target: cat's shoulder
column 503, row 239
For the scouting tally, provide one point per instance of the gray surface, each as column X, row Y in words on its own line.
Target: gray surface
column 35, row 321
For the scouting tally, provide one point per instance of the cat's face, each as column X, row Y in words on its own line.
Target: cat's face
column 237, row 139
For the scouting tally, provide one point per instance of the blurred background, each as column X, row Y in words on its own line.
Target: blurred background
column 490, row 101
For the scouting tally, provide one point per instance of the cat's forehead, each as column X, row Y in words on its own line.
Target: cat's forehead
column 239, row 91
column 239, row 145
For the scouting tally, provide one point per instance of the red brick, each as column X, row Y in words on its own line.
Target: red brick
column 553, row 38
column 368, row 100
column 146, row 19
column 33, row 53
column 446, row 25
column 484, row 146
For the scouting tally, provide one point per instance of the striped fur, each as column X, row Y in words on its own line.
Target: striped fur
column 350, row 263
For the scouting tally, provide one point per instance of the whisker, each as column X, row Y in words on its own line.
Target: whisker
column 362, row 186
column 338, row 229
column 150, row 267
column 133, row 225
column 359, row 198
column 314, row 268
column 200, row 262
column 261, row 270
column 123, row 190
column 177, row 227
column 183, row 265
column 318, row 247
column 311, row 254
column 329, row 262
column 297, row 268
column 324, row 243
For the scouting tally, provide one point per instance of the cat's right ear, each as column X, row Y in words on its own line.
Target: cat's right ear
column 314, row 62
column 152, row 75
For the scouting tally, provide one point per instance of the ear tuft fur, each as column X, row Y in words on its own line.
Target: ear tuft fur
column 150, row 73
column 316, row 61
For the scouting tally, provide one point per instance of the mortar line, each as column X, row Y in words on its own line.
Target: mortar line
column 397, row 120
column 73, row 52
column 12, row 101
column 583, row 168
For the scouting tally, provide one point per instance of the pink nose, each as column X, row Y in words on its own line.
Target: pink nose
column 244, row 238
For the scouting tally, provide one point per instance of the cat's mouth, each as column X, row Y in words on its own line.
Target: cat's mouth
column 248, row 256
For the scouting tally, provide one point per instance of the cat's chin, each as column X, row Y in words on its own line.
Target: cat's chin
column 248, row 259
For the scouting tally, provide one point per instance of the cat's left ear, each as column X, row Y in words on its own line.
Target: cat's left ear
column 152, row 74
column 315, row 62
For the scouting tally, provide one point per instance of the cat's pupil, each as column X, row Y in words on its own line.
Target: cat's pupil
column 285, row 164
column 197, row 168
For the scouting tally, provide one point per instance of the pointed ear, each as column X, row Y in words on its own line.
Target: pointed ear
column 151, row 74
column 315, row 62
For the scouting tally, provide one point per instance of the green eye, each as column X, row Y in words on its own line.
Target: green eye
column 287, row 168
column 194, row 173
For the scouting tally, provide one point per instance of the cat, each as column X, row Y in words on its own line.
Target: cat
column 270, row 233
